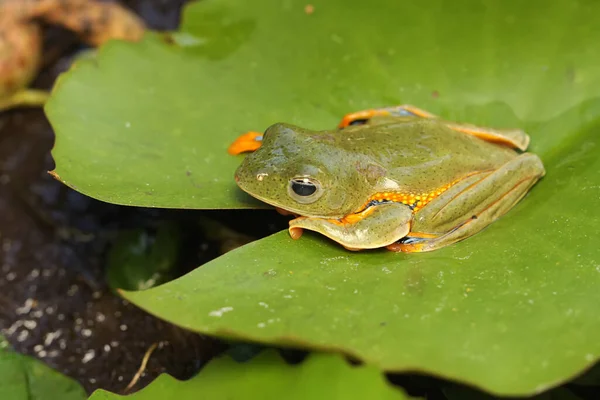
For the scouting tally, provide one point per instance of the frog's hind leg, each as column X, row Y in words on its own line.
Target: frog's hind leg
column 362, row 117
column 474, row 207
column 515, row 138
column 509, row 137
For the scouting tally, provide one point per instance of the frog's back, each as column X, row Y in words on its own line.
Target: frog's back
column 423, row 154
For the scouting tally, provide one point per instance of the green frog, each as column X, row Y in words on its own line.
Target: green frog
column 21, row 38
column 396, row 177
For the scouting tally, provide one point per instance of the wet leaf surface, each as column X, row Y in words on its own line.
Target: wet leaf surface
column 161, row 141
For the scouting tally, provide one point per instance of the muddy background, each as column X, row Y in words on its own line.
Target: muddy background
column 54, row 302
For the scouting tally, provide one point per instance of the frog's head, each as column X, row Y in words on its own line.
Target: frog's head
column 304, row 172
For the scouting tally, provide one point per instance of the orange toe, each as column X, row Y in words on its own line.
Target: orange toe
column 406, row 248
column 295, row 233
column 249, row 141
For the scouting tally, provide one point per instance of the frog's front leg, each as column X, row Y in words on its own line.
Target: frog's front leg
column 376, row 226
column 466, row 209
column 509, row 137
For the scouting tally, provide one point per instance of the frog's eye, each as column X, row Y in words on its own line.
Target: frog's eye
column 305, row 190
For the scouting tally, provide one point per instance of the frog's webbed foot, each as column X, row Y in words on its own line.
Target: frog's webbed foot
column 466, row 209
column 24, row 98
column 509, row 137
column 249, row 141
column 375, row 227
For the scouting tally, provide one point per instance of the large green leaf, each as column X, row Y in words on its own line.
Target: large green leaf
column 25, row 378
column 321, row 376
column 512, row 310
column 148, row 124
